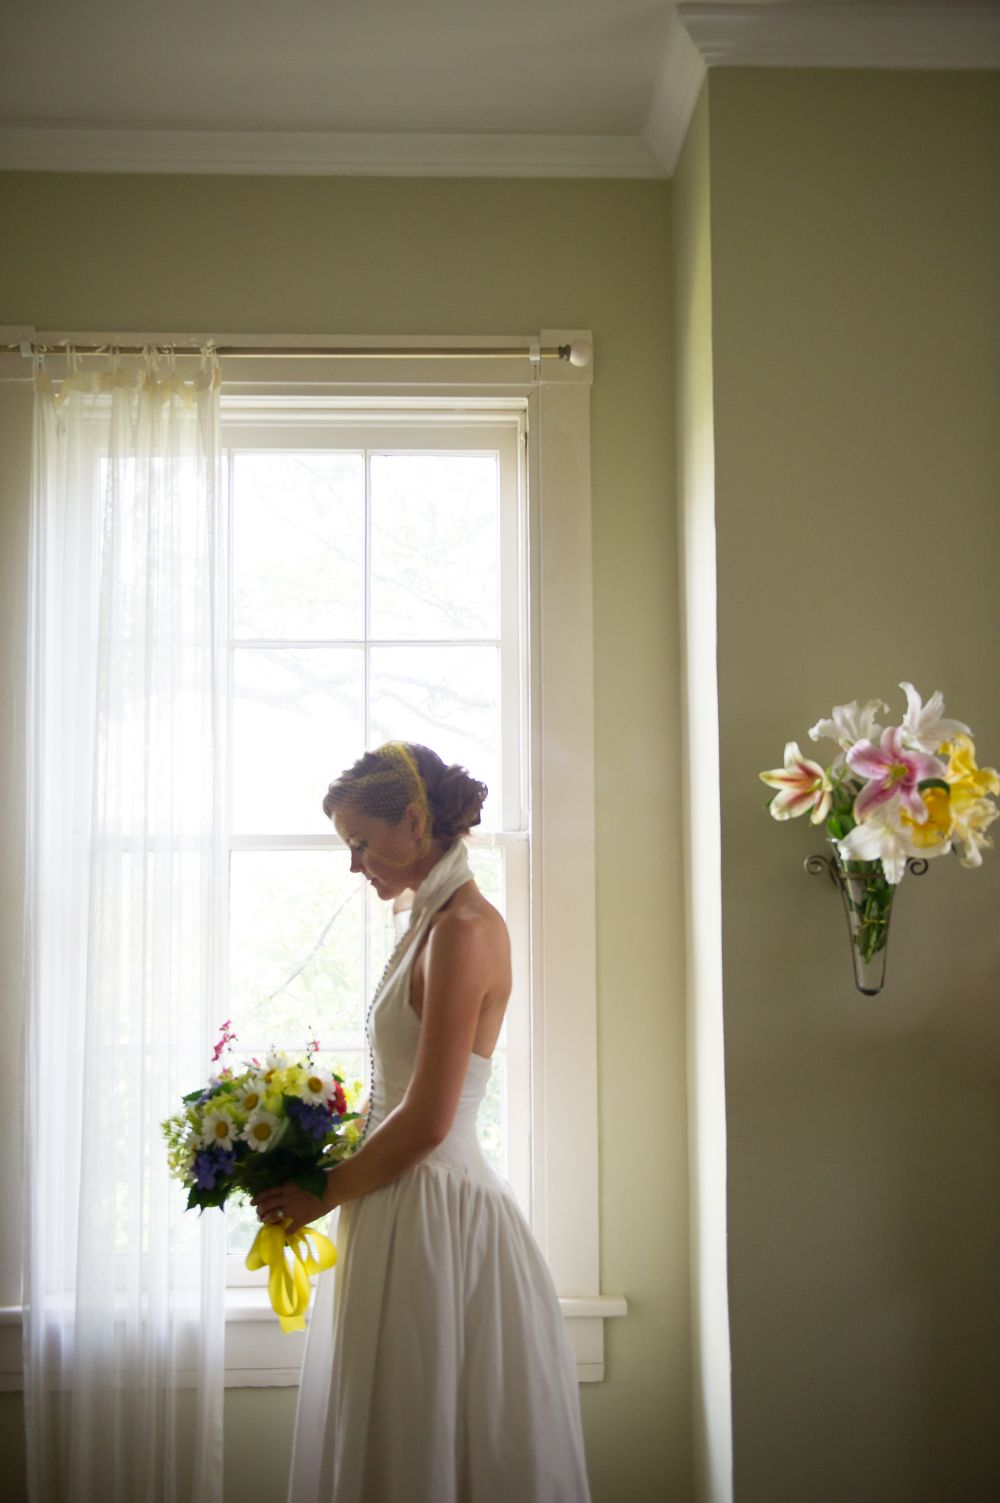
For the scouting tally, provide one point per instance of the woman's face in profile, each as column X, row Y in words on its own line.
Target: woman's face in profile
column 381, row 852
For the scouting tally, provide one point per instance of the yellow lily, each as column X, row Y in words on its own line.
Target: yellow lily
column 937, row 828
column 972, row 809
column 962, row 771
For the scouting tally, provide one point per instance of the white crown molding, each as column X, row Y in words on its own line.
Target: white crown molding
column 675, row 94
column 766, row 34
column 845, row 36
column 59, row 148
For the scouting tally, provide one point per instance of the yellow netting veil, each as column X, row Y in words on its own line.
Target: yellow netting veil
column 402, row 776
column 384, row 784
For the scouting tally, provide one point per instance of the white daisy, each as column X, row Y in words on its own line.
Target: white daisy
column 316, row 1087
column 251, row 1094
column 217, row 1130
column 276, row 1060
column 263, row 1130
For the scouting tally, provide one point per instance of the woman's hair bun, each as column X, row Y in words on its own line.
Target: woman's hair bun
column 454, row 797
column 385, row 781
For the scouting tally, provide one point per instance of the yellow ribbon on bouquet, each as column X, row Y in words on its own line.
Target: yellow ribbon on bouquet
column 288, row 1280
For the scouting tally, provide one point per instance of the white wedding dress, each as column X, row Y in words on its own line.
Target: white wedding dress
column 437, row 1366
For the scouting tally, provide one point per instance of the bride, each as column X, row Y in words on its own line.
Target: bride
column 437, row 1365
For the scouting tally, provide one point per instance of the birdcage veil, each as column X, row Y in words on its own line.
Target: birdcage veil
column 386, row 782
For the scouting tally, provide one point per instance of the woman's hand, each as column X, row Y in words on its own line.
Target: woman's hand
column 291, row 1205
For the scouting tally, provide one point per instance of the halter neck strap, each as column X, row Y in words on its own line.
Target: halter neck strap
column 441, row 882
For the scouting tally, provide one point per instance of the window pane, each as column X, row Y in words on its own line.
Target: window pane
column 435, row 545
column 490, row 1122
column 242, row 1227
column 298, row 721
column 296, row 950
column 298, row 545
column 447, row 698
column 488, row 869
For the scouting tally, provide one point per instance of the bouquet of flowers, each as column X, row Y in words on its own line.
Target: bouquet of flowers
column 257, row 1125
column 892, row 794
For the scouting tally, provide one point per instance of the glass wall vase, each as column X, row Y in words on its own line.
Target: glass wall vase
column 868, row 900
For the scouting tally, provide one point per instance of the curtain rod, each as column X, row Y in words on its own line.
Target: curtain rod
column 577, row 353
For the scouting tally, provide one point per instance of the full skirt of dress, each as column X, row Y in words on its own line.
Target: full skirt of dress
column 438, row 1368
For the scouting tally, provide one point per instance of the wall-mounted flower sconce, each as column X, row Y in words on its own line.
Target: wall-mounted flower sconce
column 891, row 800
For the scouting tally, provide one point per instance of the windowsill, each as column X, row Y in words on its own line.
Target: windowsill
column 260, row 1355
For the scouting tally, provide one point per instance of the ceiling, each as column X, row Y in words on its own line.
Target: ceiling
column 584, row 87
column 582, row 66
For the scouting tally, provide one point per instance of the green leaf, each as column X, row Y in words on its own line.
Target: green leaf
column 934, row 783
column 312, row 1180
column 203, row 1199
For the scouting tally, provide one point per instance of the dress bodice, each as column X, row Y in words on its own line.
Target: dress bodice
column 393, row 1026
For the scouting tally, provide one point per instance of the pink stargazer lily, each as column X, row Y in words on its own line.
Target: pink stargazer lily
column 891, row 770
column 801, row 785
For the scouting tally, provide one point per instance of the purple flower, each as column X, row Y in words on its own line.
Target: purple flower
column 205, row 1170
column 314, row 1120
column 210, row 1164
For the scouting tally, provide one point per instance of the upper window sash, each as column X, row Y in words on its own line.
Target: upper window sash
column 328, row 427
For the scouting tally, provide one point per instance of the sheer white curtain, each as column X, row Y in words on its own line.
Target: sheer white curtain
column 124, row 1313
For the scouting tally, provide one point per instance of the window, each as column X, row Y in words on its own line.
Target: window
column 537, row 847
column 377, row 590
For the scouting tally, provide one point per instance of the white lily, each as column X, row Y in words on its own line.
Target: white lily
column 882, row 836
column 925, row 726
column 850, row 724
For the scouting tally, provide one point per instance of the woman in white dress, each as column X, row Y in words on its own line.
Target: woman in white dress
column 437, row 1365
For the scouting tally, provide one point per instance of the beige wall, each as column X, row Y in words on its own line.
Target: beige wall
column 380, row 256
column 855, row 254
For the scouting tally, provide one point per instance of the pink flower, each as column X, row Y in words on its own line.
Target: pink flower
column 891, row 770
column 226, row 1037
column 802, row 785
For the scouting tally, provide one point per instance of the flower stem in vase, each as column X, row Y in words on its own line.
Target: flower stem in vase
column 868, row 905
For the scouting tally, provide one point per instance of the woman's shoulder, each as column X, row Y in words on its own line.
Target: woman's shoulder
column 469, row 918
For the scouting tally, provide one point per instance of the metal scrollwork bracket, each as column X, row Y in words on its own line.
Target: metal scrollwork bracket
column 815, row 865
